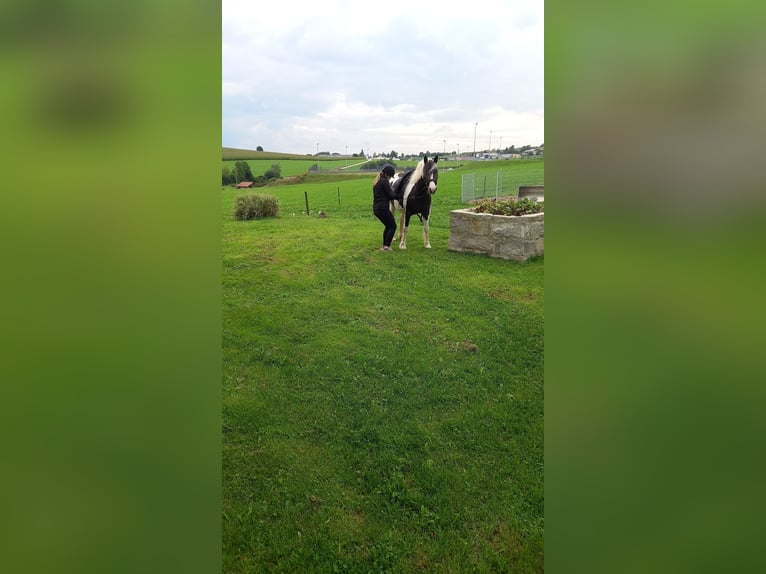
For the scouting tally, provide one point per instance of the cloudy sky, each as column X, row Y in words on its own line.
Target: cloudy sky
column 345, row 76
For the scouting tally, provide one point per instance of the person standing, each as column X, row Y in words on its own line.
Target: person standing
column 382, row 194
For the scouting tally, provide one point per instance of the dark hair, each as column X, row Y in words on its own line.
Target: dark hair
column 388, row 170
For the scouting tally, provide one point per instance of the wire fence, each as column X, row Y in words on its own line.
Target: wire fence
column 499, row 183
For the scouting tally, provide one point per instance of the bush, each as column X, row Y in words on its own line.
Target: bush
column 255, row 206
column 509, row 207
column 274, row 172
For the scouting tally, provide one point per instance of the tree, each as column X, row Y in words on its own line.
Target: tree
column 227, row 176
column 259, row 148
column 242, row 171
column 274, row 172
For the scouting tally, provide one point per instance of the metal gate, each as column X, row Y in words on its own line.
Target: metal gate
column 496, row 183
column 468, row 187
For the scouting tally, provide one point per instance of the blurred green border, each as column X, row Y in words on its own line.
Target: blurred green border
column 111, row 308
column 654, row 221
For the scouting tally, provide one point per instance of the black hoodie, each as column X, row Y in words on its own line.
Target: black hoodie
column 382, row 193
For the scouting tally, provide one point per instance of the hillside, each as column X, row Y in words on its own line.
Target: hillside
column 230, row 153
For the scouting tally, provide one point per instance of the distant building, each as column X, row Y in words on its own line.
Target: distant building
column 244, row 184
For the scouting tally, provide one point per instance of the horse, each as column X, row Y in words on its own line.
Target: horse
column 414, row 189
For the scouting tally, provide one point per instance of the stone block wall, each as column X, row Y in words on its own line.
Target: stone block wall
column 509, row 237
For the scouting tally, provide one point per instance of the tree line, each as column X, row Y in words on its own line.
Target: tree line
column 242, row 172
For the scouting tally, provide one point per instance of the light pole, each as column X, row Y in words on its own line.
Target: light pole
column 490, row 141
column 445, row 146
column 458, row 150
column 474, row 139
column 501, row 144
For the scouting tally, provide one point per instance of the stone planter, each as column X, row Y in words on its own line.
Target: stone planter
column 505, row 236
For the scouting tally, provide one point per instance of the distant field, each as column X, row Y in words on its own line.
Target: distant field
column 292, row 167
column 514, row 172
column 230, row 153
column 293, row 164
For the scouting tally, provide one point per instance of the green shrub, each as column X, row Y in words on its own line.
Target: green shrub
column 255, row 206
column 509, row 206
column 274, row 172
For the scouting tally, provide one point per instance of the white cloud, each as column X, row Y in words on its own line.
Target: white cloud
column 398, row 75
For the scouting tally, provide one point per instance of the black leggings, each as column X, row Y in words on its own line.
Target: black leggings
column 387, row 219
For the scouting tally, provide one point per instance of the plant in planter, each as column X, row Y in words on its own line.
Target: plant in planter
column 509, row 228
column 509, row 206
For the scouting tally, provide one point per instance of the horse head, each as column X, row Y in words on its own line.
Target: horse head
column 415, row 181
column 430, row 173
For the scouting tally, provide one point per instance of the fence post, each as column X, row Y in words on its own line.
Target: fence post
column 306, row 195
column 338, row 196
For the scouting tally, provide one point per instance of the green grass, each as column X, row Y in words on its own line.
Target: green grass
column 230, row 153
column 291, row 167
column 382, row 411
column 515, row 172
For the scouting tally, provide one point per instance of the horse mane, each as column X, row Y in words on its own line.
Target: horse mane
column 419, row 169
column 415, row 177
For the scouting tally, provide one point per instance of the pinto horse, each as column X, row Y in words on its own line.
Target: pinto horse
column 413, row 190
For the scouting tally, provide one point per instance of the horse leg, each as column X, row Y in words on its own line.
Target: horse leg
column 392, row 208
column 405, row 227
column 426, row 239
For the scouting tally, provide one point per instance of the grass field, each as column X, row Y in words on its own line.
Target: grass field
column 382, row 411
column 515, row 172
column 291, row 164
column 292, row 167
column 231, row 154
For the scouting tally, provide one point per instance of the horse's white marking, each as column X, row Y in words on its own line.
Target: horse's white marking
column 414, row 178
